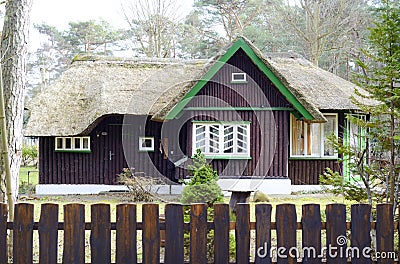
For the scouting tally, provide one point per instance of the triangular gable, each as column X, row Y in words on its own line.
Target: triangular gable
column 240, row 44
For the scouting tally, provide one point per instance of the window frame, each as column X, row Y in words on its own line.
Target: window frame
column 321, row 139
column 146, row 149
column 72, row 148
column 220, row 154
column 233, row 80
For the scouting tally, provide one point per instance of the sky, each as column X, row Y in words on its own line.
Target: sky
column 59, row 13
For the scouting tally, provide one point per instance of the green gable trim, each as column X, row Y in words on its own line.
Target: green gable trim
column 240, row 43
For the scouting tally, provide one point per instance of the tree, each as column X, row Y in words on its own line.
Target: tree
column 13, row 65
column 381, row 79
column 59, row 47
column 377, row 163
column 324, row 25
column 233, row 16
column 153, row 25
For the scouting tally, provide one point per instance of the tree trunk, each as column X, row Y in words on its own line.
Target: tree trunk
column 13, row 62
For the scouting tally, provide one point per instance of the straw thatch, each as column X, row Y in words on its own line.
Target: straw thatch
column 93, row 88
column 89, row 90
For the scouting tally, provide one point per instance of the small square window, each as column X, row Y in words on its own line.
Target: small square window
column 146, row 143
column 239, row 77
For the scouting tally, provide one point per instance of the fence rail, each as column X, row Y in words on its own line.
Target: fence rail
column 255, row 241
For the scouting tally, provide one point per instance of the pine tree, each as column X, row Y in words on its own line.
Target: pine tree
column 381, row 79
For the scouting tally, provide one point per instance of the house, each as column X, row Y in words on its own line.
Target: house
column 261, row 119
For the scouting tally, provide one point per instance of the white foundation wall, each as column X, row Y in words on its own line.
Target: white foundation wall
column 269, row 186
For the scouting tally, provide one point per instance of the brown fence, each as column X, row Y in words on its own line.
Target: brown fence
column 286, row 240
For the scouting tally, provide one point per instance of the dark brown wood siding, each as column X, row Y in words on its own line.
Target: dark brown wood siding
column 114, row 146
column 269, row 142
column 307, row 171
column 258, row 91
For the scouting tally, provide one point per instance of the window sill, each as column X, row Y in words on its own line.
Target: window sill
column 144, row 150
column 72, row 151
column 239, row 82
column 227, row 157
column 313, row 158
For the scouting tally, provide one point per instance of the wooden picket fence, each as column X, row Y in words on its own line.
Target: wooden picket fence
column 286, row 231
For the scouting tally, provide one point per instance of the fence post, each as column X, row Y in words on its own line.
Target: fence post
column 242, row 233
column 23, row 233
column 360, row 231
column 174, row 234
column 74, row 234
column 48, row 233
column 126, row 234
column 286, row 221
column 100, row 235
column 198, row 233
column 384, row 233
column 3, row 233
column 311, row 233
column 221, row 233
column 263, row 234
column 336, row 239
column 151, row 233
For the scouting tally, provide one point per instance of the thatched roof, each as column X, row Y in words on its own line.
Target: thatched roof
column 89, row 90
column 93, row 88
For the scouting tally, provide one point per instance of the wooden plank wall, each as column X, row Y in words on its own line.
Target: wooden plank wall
column 140, row 241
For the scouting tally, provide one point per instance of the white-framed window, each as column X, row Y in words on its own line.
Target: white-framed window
column 146, row 143
column 222, row 139
column 239, row 77
column 311, row 139
column 72, row 144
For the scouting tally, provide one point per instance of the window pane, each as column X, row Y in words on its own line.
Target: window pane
column 228, row 139
column 59, row 143
column 242, row 139
column 68, row 143
column 297, row 136
column 200, row 139
column 85, row 143
column 314, row 144
column 329, row 129
column 77, row 142
column 214, row 139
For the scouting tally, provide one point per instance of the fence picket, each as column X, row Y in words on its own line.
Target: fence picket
column 286, row 220
column 74, row 234
column 126, row 234
column 48, row 233
column 23, row 233
column 311, row 233
column 384, row 233
column 174, row 253
column 151, row 233
column 3, row 233
column 221, row 233
column 360, row 231
column 263, row 234
column 198, row 234
column 336, row 233
column 242, row 233
column 100, row 235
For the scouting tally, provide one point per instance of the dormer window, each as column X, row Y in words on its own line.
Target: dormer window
column 239, row 77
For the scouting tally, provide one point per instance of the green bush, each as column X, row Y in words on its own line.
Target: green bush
column 29, row 155
column 202, row 187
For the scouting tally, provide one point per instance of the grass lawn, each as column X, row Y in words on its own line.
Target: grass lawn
column 33, row 175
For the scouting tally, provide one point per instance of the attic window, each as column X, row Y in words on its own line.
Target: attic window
column 146, row 143
column 72, row 144
column 239, row 77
